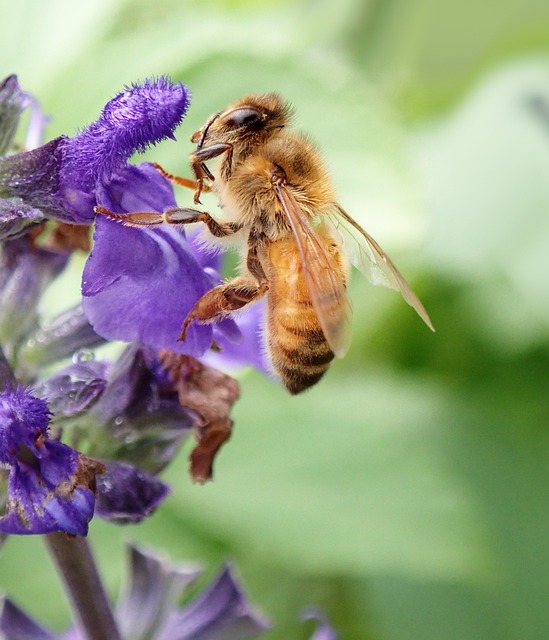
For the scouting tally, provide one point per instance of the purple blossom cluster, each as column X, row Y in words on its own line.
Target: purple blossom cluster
column 148, row 607
column 83, row 436
column 137, row 286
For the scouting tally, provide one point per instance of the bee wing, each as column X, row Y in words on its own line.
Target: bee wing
column 369, row 258
column 325, row 288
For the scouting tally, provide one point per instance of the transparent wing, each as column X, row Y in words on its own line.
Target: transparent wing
column 326, row 286
column 369, row 258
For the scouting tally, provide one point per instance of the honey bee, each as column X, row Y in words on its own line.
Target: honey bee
column 297, row 242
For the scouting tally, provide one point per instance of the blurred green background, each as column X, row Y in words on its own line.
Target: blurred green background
column 408, row 493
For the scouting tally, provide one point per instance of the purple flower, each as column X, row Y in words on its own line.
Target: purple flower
column 61, row 177
column 148, row 607
column 138, row 418
column 141, row 115
column 33, row 176
column 139, row 284
column 129, row 415
column 50, row 485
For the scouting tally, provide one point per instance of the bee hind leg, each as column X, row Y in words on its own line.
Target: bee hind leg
column 221, row 301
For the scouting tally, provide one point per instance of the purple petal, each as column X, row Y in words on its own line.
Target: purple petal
column 25, row 271
column 221, row 612
column 49, row 484
column 154, row 588
column 51, row 493
column 15, row 624
column 12, row 103
column 137, row 188
column 139, row 415
column 37, row 123
column 141, row 115
column 61, row 337
column 34, row 177
column 127, row 494
column 139, row 284
column 74, row 389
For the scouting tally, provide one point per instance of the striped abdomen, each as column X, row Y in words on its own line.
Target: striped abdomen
column 298, row 349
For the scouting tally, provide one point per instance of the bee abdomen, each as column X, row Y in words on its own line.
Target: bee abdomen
column 299, row 351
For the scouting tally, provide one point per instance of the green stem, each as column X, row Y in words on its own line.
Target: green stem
column 74, row 560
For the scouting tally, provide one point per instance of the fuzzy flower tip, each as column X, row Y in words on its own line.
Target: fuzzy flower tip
column 143, row 114
column 50, row 486
column 23, row 422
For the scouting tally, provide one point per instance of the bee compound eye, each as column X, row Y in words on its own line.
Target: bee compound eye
column 244, row 116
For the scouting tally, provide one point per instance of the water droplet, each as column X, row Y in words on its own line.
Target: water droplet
column 83, row 355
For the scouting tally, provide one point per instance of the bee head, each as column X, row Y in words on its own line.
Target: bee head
column 250, row 119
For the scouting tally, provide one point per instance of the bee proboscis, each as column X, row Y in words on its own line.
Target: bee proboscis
column 298, row 242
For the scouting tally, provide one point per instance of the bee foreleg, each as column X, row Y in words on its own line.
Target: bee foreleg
column 188, row 216
column 176, row 215
column 179, row 180
column 134, row 219
column 201, row 171
column 222, row 300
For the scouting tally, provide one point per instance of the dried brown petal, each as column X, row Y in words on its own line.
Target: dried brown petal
column 69, row 237
column 210, row 394
column 209, row 439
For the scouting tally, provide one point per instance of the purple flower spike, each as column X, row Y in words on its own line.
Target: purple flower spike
column 141, row 115
column 50, row 486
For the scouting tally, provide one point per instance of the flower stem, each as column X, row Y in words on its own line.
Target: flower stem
column 74, row 560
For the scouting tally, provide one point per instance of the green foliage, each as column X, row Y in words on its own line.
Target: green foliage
column 407, row 493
